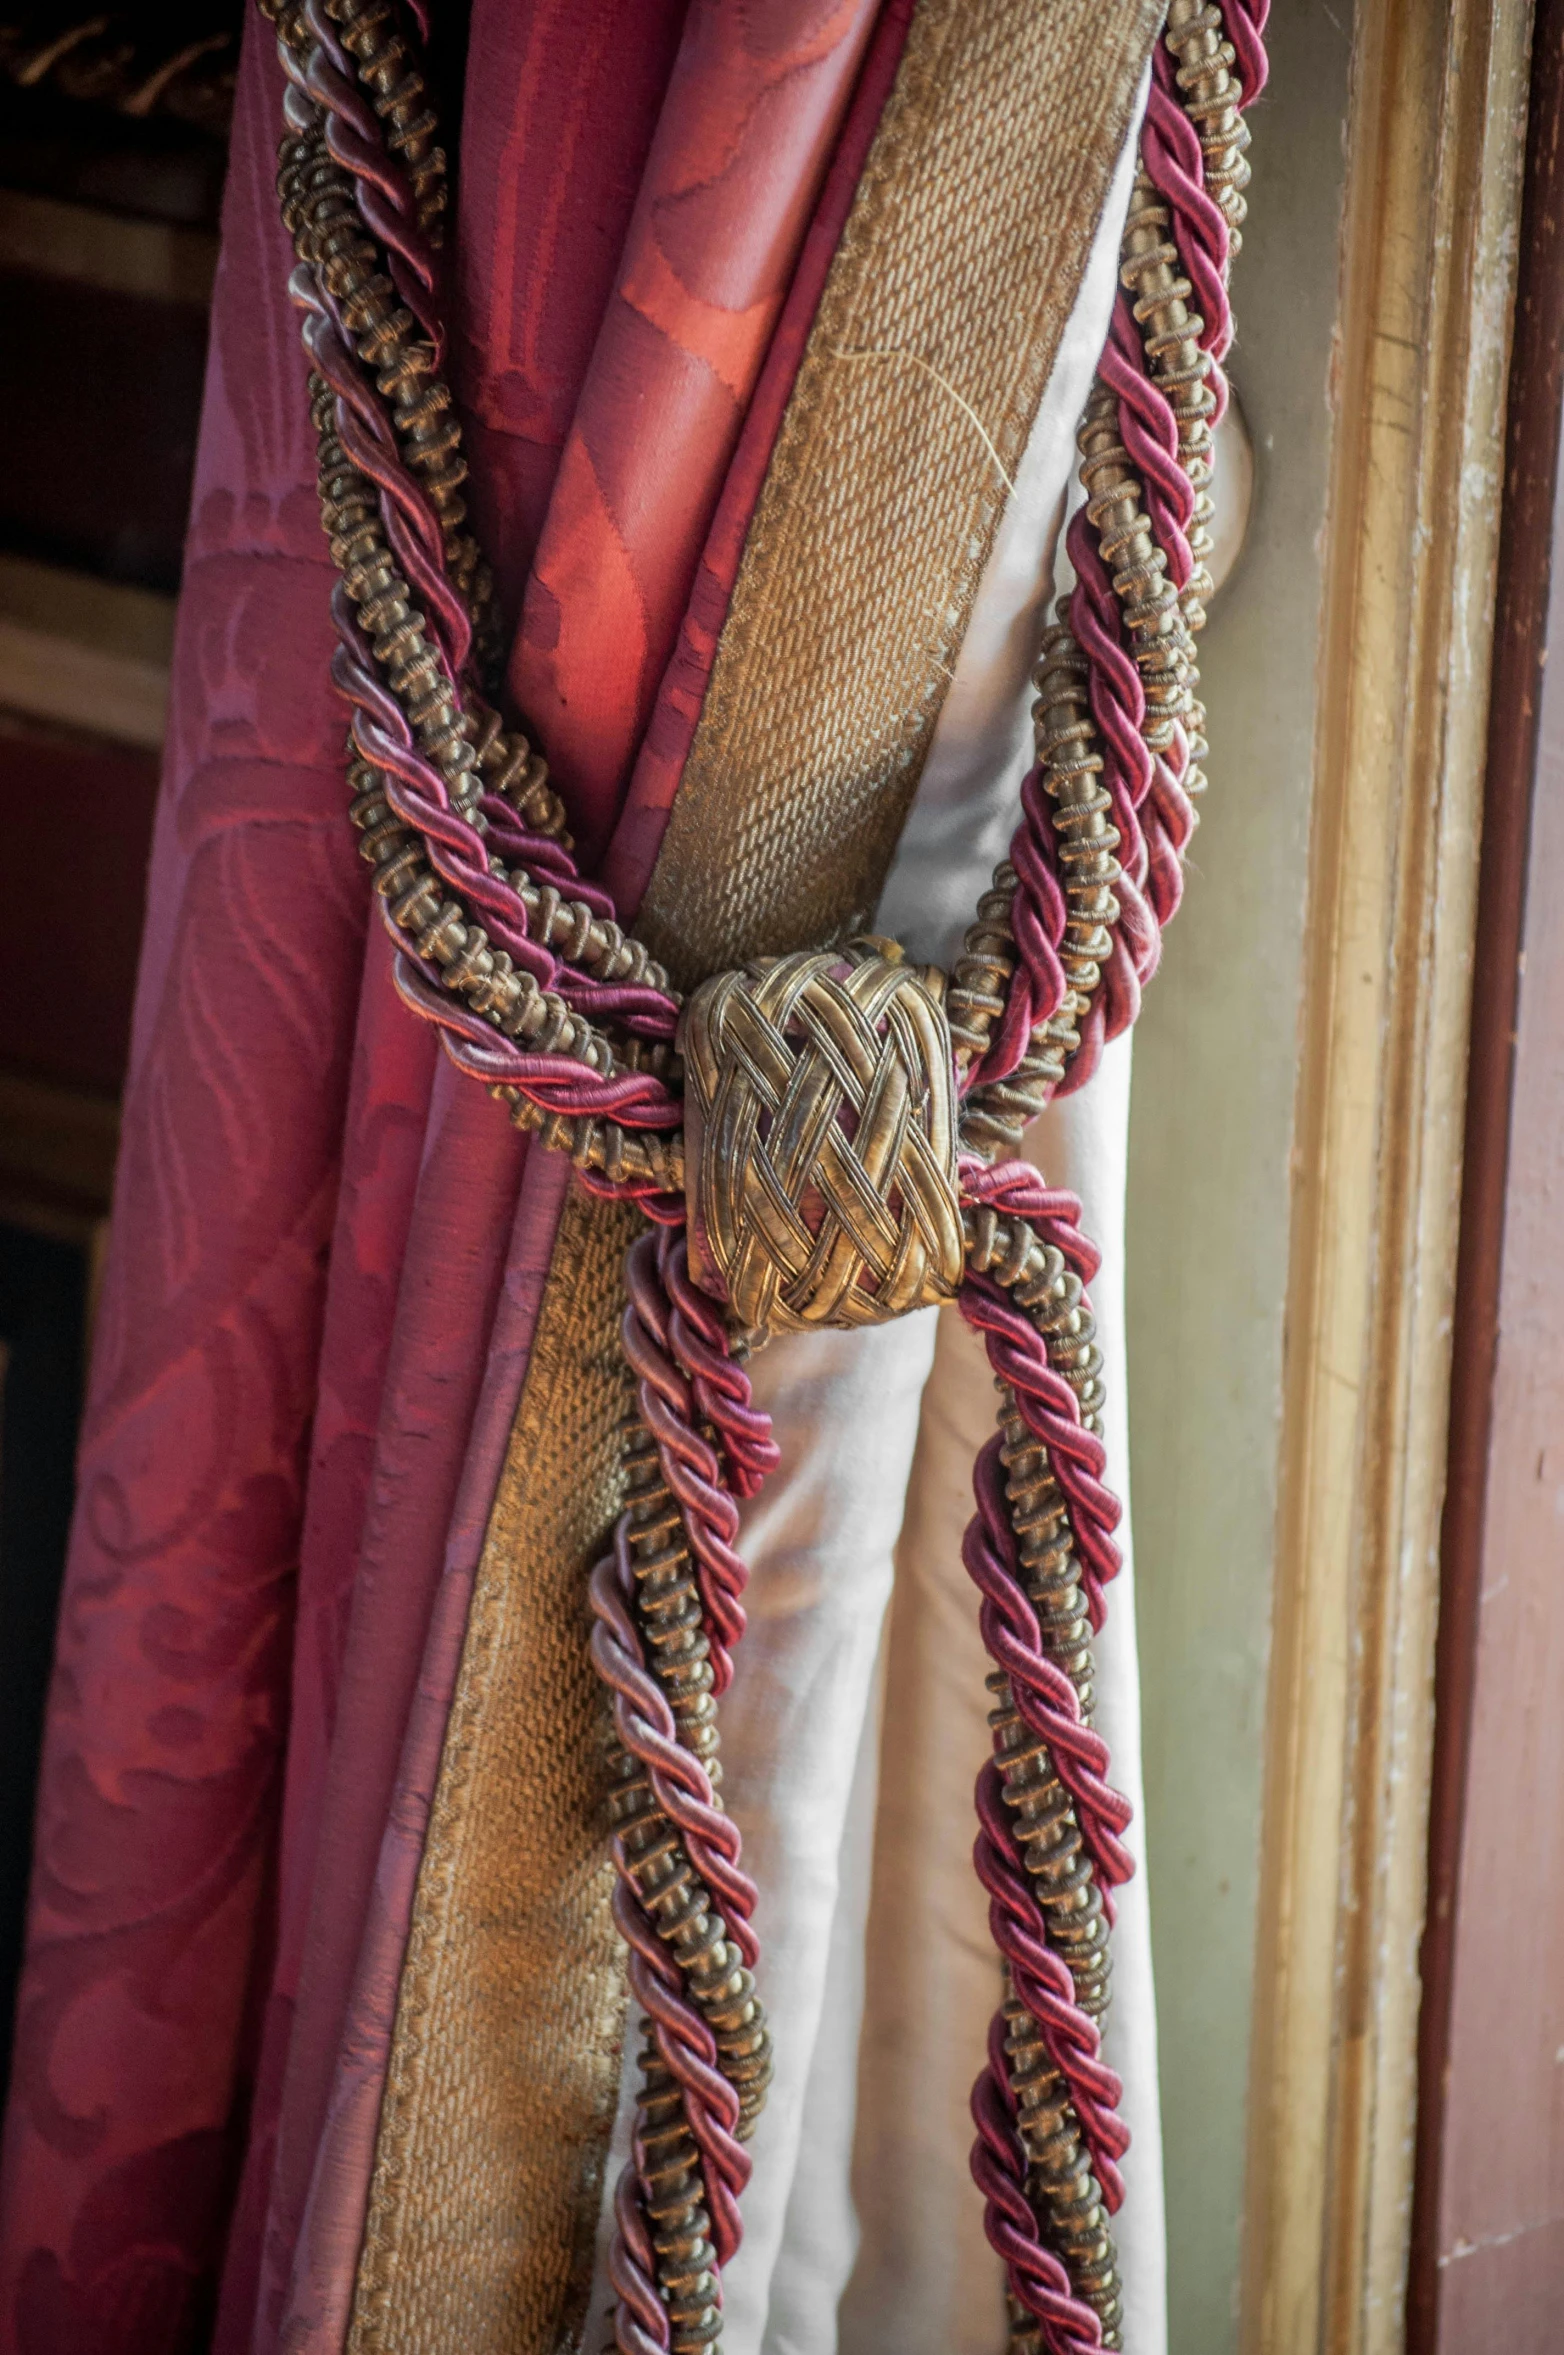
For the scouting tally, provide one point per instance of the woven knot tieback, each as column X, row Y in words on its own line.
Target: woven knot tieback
column 819, row 1110
column 820, row 1139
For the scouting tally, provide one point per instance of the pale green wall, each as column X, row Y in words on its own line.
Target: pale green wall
column 1215, row 1060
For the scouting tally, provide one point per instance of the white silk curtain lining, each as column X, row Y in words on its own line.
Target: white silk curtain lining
column 851, row 1748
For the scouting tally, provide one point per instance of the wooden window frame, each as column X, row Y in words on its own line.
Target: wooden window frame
column 1430, row 233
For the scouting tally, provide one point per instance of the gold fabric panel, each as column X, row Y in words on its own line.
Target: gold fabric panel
column 500, row 2096
column 934, row 340
column 961, row 261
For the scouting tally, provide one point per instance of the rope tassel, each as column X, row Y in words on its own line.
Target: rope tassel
column 817, row 1140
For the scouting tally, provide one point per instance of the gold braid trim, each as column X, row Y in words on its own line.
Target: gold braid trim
column 1161, row 623
column 1063, row 2187
column 668, row 1607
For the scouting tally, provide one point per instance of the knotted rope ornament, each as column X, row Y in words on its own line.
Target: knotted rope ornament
column 820, row 1139
column 817, row 1140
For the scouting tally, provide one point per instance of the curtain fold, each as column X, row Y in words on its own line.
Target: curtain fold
column 154, row 1875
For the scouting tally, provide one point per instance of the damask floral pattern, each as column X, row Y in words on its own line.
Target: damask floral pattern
column 155, row 1860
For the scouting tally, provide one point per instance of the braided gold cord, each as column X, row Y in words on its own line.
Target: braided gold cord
column 680, row 2223
column 681, row 1908
column 435, row 923
column 1066, row 747
column 1161, row 622
column 821, row 1154
column 993, row 1119
column 468, row 743
column 602, row 1148
column 384, row 333
column 1062, row 2184
column 321, row 215
column 1115, row 507
column 1062, row 2188
column 669, row 1612
column 400, row 98
column 1212, row 97
column 393, row 624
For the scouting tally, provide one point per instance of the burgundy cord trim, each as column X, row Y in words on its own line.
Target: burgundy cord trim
column 714, row 1446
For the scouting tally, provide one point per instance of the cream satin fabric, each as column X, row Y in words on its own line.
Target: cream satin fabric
column 850, row 1755
column 925, row 2280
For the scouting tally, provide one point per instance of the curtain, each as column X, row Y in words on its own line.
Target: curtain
column 330, row 1254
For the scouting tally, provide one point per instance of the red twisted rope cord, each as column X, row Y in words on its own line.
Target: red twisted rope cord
column 1037, row 2277
column 1154, row 818
column 1042, row 1981
column 689, row 2050
column 1052, row 1414
column 676, row 1341
column 674, row 1338
column 701, row 1342
column 458, row 849
column 1050, row 1707
column 1044, row 1695
column 644, row 1724
column 640, row 2317
column 1150, row 807
column 464, row 859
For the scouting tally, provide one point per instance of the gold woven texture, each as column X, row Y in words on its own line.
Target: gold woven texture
column 500, row 2098
column 936, row 334
column 820, row 1127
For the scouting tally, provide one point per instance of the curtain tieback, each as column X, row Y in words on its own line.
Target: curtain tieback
column 835, row 1119
column 820, row 1139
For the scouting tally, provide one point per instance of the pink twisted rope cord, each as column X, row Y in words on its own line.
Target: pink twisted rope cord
column 1043, row 1982
column 1150, row 808
column 461, row 854
column 645, row 1727
column 464, row 858
column 1036, row 2275
column 713, row 1446
column 1021, row 1191
column 644, row 1722
column 1050, row 1708
column 719, row 1386
column 674, row 1340
column 640, row 2317
column 1044, row 1695
column 1154, row 818
column 418, row 795
column 356, row 139
column 1052, row 1414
